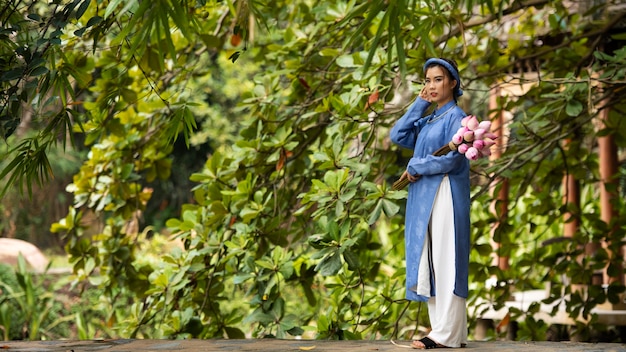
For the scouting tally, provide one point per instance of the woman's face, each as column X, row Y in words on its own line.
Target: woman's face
column 439, row 86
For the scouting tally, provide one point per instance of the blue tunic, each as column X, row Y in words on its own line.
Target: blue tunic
column 426, row 135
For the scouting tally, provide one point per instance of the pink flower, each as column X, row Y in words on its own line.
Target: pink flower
column 472, row 123
column 485, row 125
column 488, row 142
column 471, row 153
column 479, row 133
column 474, row 138
column 490, row 135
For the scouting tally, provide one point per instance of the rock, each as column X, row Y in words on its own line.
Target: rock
column 10, row 248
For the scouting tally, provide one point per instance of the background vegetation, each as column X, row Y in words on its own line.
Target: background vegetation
column 252, row 135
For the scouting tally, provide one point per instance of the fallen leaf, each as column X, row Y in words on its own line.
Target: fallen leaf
column 308, row 348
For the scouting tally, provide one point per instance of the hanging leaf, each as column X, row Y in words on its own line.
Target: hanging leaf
column 235, row 40
column 573, row 107
column 330, row 265
column 373, row 98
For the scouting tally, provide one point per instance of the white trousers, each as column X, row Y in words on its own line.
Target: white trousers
column 447, row 311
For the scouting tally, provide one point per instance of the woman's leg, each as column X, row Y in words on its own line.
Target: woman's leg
column 447, row 311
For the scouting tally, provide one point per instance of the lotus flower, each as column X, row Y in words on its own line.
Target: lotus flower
column 463, row 148
column 490, row 135
column 472, row 123
column 472, row 139
column 472, row 153
column 485, row 125
column 479, row 133
column 488, row 142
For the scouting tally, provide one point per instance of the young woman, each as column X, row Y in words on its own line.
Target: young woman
column 437, row 216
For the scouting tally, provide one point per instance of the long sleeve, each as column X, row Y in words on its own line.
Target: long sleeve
column 439, row 134
column 431, row 165
column 404, row 132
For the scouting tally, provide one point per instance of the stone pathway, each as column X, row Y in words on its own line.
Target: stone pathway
column 274, row 345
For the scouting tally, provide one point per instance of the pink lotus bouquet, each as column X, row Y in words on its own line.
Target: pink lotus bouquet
column 473, row 139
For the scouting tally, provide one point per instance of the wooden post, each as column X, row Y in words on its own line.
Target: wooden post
column 608, row 170
column 501, row 200
column 571, row 198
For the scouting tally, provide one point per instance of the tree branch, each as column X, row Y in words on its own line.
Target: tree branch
column 551, row 49
column 475, row 22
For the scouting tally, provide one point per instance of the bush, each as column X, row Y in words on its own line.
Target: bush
column 11, row 318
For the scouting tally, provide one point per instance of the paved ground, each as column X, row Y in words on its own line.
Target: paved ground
column 273, row 345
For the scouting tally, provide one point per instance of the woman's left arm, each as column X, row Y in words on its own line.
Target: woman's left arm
column 432, row 165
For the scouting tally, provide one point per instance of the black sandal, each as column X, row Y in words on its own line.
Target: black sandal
column 429, row 344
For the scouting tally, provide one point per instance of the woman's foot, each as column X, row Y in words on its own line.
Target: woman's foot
column 426, row 343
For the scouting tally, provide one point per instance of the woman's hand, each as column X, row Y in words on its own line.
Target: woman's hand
column 408, row 176
column 424, row 95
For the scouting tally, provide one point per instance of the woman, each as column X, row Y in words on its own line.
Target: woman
column 437, row 215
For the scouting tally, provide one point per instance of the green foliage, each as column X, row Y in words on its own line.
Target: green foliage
column 11, row 320
column 292, row 213
column 46, row 306
column 28, row 310
column 28, row 218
